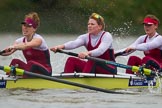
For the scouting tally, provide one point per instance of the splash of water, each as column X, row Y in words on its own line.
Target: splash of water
column 157, row 90
column 123, row 30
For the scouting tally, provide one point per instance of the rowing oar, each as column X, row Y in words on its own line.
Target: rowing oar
column 19, row 71
column 146, row 71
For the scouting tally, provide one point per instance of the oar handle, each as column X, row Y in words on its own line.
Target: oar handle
column 1, row 52
column 119, row 53
column 68, row 53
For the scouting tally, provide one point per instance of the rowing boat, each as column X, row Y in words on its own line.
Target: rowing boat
column 121, row 81
column 98, row 82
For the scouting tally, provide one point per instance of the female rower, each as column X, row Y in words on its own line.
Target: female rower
column 33, row 46
column 98, row 44
column 150, row 44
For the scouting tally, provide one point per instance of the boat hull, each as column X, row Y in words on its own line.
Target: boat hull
column 104, row 82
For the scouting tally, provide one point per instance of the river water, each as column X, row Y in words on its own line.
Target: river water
column 54, row 98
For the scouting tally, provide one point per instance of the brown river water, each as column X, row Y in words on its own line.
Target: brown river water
column 54, row 98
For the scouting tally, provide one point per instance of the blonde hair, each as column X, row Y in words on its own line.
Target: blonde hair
column 35, row 17
column 99, row 19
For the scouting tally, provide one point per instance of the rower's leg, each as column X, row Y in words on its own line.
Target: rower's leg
column 74, row 65
column 151, row 63
column 18, row 62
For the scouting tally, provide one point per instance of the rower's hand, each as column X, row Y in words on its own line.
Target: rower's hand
column 9, row 49
column 55, row 48
column 129, row 49
column 83, row 55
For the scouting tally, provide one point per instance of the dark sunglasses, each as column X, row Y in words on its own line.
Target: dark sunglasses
column 148, row 25
column 27, row 25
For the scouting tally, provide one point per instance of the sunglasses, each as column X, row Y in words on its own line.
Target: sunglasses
column 148, row 25
column 27, row 25
column 97, row 16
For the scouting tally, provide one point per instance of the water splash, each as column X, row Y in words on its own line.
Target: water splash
column 124, row 30
column 159, row 88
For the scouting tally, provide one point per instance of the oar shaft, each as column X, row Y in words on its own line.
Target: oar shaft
column 97, row 60
column 133, row 68
column 1, row 67
column 109, row 62
column 70, row 83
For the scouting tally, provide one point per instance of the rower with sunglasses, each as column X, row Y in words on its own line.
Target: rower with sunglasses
column 98, row 44
column 150, row 44
column 33, row 46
